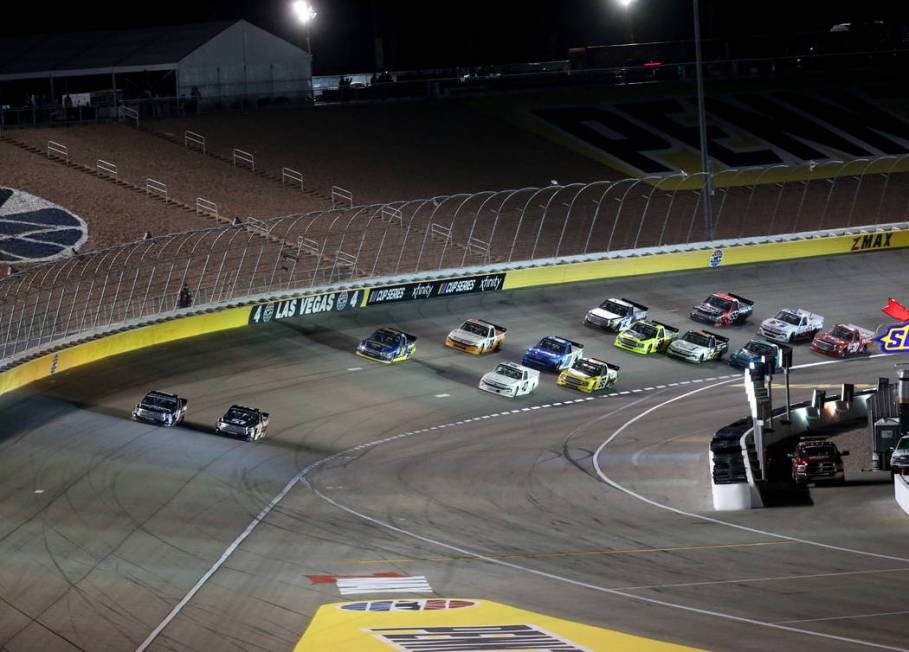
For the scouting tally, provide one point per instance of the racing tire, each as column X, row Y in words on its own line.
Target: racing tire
column 701, row 359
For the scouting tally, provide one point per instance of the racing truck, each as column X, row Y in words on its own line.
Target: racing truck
column 615, row 314
column 843, row 340
column 161, row 408
column 749, row 356
column 589, row 375
column 817, row 459
column 698, row 346
column 387, row 345
column 791, row 325
column 723, row 309
column 646, row 337
column 553, row 354
column 510, row 379
column 243, row 422
column 476, row 336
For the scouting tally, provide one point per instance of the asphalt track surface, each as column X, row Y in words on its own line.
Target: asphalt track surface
column 564, row 507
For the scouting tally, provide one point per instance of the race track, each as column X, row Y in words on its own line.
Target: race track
column 559, row 508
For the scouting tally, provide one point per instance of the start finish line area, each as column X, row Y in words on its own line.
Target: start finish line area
column 439, row 624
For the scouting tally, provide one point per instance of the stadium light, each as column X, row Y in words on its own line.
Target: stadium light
column 305, row 14
column 624, row 4
column 304, row 11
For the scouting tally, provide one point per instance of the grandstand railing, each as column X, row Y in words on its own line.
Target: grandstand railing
column 95, row 292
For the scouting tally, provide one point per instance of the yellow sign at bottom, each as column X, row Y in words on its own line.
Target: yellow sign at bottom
column 436, row 624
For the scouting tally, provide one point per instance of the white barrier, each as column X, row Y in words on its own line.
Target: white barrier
column 341, row 197
column 392, row 215
column 242, row 158
column 205, row 207
column 901, row 489
column 309, row 245
column 257, row 226
column 192, row 139
column 58, row 150
column 293, row 175
column 108, row 168
column 728, row 497
column 125, row 111
column 155, row 187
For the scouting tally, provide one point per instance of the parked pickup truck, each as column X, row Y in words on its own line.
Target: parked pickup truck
column 792, row 325
column 817, row 459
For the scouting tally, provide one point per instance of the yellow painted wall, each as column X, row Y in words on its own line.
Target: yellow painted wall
column 672, row 262
column 104, row 347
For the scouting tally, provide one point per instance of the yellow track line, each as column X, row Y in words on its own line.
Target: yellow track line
column 576, row 553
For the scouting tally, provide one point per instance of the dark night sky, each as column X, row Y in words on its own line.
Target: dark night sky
column 466, row 32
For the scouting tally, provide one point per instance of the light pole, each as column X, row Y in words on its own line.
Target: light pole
column 626, row 4
column 305, row 13
column 702, row 124
column 702, row 114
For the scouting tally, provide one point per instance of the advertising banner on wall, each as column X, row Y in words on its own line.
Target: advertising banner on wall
column 441, row 288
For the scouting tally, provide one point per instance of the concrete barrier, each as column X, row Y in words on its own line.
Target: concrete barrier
column 901, row 489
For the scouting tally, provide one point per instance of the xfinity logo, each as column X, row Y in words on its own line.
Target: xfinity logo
column 490, row 283
column 421, row 291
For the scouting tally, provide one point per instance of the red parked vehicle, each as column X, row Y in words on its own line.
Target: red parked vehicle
column 843, row 340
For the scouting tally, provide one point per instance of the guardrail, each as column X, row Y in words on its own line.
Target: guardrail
column 341, row 197
column 127, row 112
column 206, row 207
column 293, row 176
column 244, row 159
column 193, row 140
column 155, row 187
column 108, row 168
column 57, row 150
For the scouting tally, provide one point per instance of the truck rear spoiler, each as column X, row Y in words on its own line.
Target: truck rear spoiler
column 742, row 299
column 634, row 303
column 612, row 367
column 666, row 326
column 717, row 336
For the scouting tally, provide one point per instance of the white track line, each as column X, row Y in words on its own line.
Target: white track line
column 818, row 620
column 594, row 587
column 612, row 483
column 301, row 476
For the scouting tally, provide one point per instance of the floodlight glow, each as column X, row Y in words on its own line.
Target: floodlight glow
column 625, row 3
column 304, row 11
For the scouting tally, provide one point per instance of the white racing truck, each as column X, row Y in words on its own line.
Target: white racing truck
column 510, row 379
column 792, row 326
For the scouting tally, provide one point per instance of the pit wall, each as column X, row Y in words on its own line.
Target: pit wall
column 901, row 488
column 493, row 278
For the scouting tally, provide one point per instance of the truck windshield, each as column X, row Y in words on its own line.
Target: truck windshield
column 548, row 344
column 645, row 331
column 698, row 339
column 718, row 302
column 842, row 333
column 156, row 400
column 615, row 308
column 510, row 372
column 788, row 317
column 903, row 444
column 589, row 368
column 473, row 327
